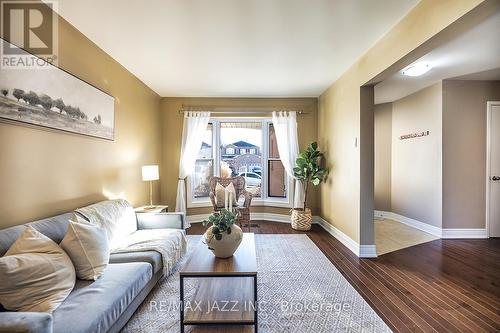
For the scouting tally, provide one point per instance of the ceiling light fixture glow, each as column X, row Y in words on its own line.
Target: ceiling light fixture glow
column 417, row 69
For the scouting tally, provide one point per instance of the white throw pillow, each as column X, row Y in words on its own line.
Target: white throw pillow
column 220, row 195
column 116, row 216
column 87, row 246
column 36, row 274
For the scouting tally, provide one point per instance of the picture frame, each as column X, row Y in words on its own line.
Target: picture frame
column 53, row 98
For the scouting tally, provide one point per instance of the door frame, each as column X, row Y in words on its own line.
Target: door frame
column 489, row 106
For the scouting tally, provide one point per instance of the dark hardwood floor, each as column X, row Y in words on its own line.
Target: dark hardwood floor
column 440, row 286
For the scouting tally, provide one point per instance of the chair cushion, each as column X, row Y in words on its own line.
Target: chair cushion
column 151, row 257
column 94, row 306
column 220, row 195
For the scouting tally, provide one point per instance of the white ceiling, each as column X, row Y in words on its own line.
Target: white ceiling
column 475, row 55
column 245, row 48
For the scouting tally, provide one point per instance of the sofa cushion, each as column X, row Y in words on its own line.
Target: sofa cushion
column 151, row 257
column 87, row 246
column 53, row 227
column 25, row 322
column 94, row 306
column 170, row 243
column 35, row 273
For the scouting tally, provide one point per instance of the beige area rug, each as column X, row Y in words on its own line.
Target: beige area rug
column 299, row 289
column 392, row 236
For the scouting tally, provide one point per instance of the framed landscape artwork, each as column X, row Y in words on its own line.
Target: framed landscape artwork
column 53, row 98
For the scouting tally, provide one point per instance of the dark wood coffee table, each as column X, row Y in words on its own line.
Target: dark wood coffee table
column 226, row 293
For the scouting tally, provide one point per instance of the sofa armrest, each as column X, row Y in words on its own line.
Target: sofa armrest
column 161, row 221
column 25, row 322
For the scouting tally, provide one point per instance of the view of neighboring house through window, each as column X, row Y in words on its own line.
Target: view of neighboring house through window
column 240, row 148
column 243, row 136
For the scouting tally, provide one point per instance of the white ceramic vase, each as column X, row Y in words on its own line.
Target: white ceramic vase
column 229, row 243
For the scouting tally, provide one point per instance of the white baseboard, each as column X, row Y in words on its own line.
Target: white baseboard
column 253, row 216
column 362, row 251
column 282, row 218
column 464, row 233
column 197, row 218
column 430, row 229
column 436, row 231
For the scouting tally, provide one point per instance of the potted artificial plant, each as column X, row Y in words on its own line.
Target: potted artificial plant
column 223, row 236
column 308, row 170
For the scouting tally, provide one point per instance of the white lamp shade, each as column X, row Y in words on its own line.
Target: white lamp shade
column 150, row 172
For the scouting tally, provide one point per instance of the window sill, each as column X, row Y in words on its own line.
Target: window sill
column 255, row 203
column 272, row 203
column 199, row 204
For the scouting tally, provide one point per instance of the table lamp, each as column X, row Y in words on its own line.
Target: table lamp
column 150, row 173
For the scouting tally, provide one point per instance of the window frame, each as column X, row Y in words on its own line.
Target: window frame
column 265, row 199
column 269, row 159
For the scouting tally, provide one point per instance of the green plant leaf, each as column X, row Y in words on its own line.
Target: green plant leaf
column 308, row 166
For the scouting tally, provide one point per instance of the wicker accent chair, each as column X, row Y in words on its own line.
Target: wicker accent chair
column 239, row 186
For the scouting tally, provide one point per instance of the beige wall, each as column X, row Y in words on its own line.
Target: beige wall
column 383, row 158
column 171, row 122
column 464, row 151
column 44, row 172
column 463, row 142
column 56, row 172
column 341, row 117
column 416, row 186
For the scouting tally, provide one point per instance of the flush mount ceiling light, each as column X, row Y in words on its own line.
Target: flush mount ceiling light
column 417, row 69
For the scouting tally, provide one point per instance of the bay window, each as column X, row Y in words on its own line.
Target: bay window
column 241, row 147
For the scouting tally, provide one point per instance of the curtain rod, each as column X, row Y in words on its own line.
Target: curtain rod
column 237, row 110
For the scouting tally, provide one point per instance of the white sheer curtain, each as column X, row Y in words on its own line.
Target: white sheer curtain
column 285, row 127
column 195, row 124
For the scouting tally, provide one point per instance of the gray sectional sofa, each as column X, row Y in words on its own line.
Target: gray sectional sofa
column 104, row 305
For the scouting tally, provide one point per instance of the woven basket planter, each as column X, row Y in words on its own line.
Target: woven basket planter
column 301, row 220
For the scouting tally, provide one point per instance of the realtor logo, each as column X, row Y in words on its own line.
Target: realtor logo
column 31, row 29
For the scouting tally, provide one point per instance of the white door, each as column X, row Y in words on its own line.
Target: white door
column 494, row 169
